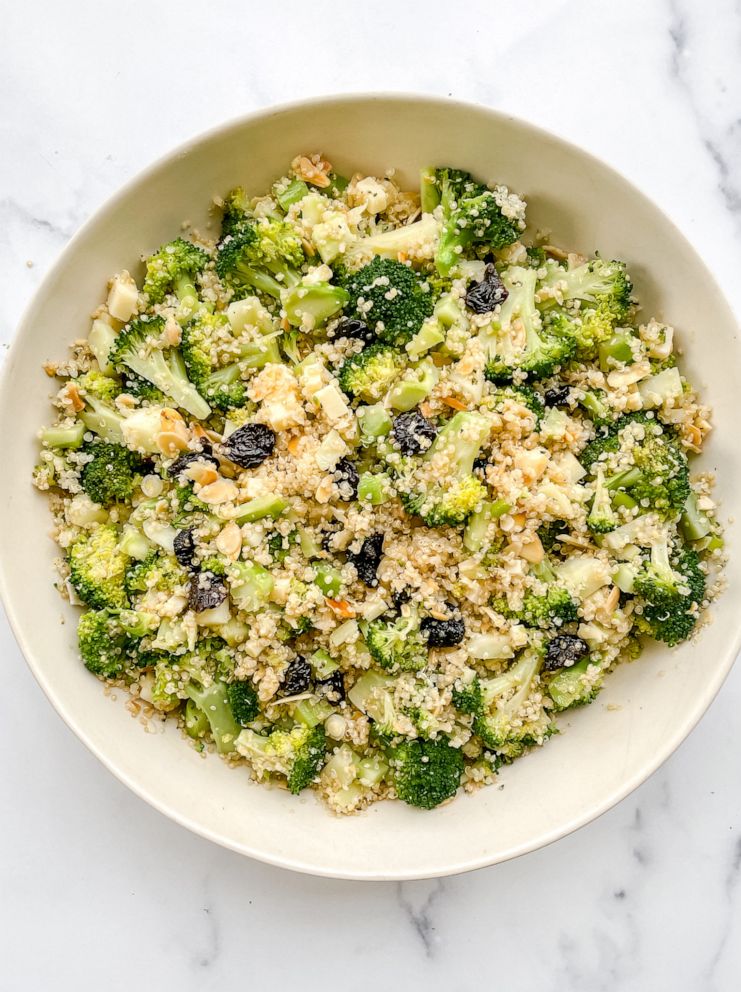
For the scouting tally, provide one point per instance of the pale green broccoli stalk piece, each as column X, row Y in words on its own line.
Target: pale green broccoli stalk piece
column 213, row 701
column 288, row 193
column 63, row 436
column 98, row 568
column 112, row 474
column 374, row 488
column 450, row 500
column 672, row 587
column 391, row 298
column 173, row 269
column 260, row 507
column 425, row 772
column 369, row 375
column 374, row 422
column 311, row 304
column 250, row 585
column 473, row 216
column 577, row 685
column 327, row 578
column 138, row 348
column 543, row 348
column 103, row 420
column 398, row 644
column 297, row 755
column 694, row 524
column 373, row 695
column 409, row 391
column 512, row 716
column 415, row 240
column 474, row 535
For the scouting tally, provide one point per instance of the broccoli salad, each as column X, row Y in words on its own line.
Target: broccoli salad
column 363, row 487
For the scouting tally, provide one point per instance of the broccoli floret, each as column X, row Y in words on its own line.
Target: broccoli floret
column 425, row 772
column 672, row 586
column 158, row 572
column 397, row 644
column 472, row 216
column 451, row 495
column 602, row 517
column 549, row 534
column 235, row 211
column 523, row 395
column 597, row 408
column 173, row 269
column 112, row 474
column 513, row 717
column 221, row 386
column 243, row 701
column 469, row 698
column 98, row 568
column 657, row 473
column 105, row 637
column 296, row 754
column 390, row 298
column 598, row 284
column 576, row 686
column 369, row 375
column 518, row 340
column 264, row 254
column 102, row 387
column 138, row 347
column 551, row 607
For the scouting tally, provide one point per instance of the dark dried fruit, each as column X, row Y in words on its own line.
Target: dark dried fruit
column 557, row 395
column 297, row 678
column 347, row 478
column 350, row 327
column 413, row 433
column 249, row 445
column 479, row 467
column 207, row 591
column 367, row 560
column 443, row 633
column 563, row 651
column 483, row 296
column 333, row 687
column 203, row 454
column 399, row 598
column 184, row 547
column 328, row 532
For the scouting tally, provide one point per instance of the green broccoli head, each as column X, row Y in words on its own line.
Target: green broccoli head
column 235, row 211
column 514, row 717
column 264, row 254
column 220, row 384
column 555, row 607
column 296, row 755
column 598, row 285
column 397, row 644
column 368, row 375
column 112, row 473
column 472, row 217
column 108, row 640
column 642, row 457
column 441, row 488
column 522, row 395
column 469, row 698
column 672, row 587
column 243, row 701
column 602, row 517
column 391, row 298
column 173, row 269
column 98, row 568
column 518, row 341
column 158, row 572
column 99, row 386
column 139, row 348
column 425, row 772
column 577, row 685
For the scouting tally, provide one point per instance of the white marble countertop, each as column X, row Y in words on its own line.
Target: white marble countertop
column 97, row 887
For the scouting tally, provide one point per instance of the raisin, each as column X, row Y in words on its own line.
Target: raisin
column 483, row 296
column 443, row 633
column 480, row 466
column 203, row 454
column 413, row 433
column 563, row 651
column 557, row 395
column 367, row 560
column 350, row 327
column 184, row 547
column 207, row 591
column 297, row 678
column 250, row 445
column 399, row 598
column 333, row 687
column 347, row 478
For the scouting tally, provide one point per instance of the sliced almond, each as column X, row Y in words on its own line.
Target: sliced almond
column 531, row 550
column 202, row 473
column 229, row 540
column 71, row 395
column 315, row 172
column 169, row 443
column 221, row 491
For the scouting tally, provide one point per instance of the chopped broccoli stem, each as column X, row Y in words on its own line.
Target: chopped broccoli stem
column 259, row 507
column 63, row 437
column 575, row 686
column 290, row 193
column 374, row 488
column 214, row 702
column 694, row 524
column 327, row 578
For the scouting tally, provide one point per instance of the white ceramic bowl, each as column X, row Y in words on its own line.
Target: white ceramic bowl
column 608, row 748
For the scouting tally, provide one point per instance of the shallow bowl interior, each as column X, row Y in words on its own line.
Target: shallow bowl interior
column 608, row 748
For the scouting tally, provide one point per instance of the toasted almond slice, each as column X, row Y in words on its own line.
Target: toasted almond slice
column 170, row 442
column 293, row 445
column 316, row 174
column 229, row 540
column 221, row 491
column 202, row 473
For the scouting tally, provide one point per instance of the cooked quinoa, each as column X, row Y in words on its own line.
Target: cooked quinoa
column 366, row 492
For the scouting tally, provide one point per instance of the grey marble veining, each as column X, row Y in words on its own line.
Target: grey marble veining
column 98, row 888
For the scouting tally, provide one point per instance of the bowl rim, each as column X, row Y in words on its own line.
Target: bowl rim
column 653, row 762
